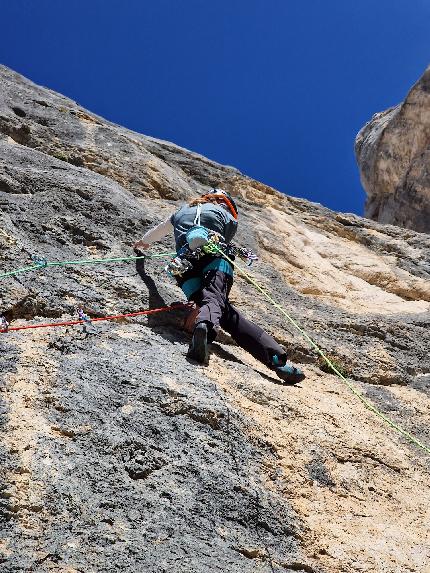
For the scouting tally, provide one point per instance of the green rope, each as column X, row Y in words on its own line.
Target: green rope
column 354, row 390
column 22, row 270
column 83, row 262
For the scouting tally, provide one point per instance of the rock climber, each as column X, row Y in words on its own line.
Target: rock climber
column 207, row 282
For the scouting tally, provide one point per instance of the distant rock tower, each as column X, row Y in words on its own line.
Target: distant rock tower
column 393, row 154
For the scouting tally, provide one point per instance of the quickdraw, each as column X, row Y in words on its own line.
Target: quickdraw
column 178, row 266
column 83, row 316
column 39, row 261
column 246, row 255
column 4, row 324
column 88, row 326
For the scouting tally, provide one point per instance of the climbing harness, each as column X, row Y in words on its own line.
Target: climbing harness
column 43, row 263
column 97, row 319
column 353, row 389
column 215, row 246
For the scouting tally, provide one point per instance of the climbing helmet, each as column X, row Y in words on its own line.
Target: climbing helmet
column 226, row 197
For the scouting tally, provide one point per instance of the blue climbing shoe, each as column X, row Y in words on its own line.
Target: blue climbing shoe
column 287, row 372
column 198, row 349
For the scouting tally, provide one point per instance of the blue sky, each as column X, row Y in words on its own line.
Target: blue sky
column 277, row 88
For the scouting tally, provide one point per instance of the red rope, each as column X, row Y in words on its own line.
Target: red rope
column 114, row 317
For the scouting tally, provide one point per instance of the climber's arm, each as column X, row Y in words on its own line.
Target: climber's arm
column 155, row 234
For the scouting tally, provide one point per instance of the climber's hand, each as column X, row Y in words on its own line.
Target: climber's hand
column 140, row 246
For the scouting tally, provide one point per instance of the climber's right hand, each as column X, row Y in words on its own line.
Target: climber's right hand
column 141, row 246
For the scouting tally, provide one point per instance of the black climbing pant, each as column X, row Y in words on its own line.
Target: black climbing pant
column 217, row 311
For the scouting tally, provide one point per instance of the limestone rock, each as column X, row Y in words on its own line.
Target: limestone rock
column 393, row 154
column 118, row 454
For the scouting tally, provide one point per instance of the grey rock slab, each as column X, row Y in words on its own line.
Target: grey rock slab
column 117, row 452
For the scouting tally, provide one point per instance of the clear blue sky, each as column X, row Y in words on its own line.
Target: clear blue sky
column 277, row 88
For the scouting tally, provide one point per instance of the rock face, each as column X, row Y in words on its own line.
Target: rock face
column 118, row 454
column 393, row 154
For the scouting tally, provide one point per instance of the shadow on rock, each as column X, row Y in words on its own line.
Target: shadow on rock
column 168, row 324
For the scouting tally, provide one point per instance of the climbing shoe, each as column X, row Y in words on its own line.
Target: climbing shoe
column 287, row 372
column 198, row 349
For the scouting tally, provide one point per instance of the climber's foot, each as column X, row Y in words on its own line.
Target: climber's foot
column 287, row 372
column 198, row 349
